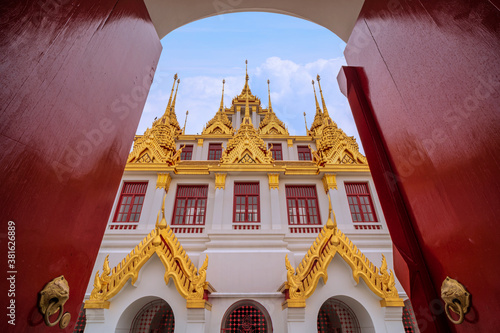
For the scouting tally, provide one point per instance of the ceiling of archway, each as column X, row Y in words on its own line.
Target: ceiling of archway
column 339, row 16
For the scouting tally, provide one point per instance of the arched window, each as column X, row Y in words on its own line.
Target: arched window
column 154, row 317
column 335, row 316
column 246, row 317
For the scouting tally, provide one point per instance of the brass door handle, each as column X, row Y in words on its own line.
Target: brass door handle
column 456, row 298
column 52, row 299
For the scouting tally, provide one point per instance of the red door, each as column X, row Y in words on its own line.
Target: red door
column 75, row 76
column 424, row 88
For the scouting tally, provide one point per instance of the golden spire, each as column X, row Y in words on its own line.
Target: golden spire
column 247, row 109
column 171, row 93
column 305, row 121
column 175, row 97
column 325, row 110
column 222, row 98
column 269, row 93
column 318, row 109
column 185, row 121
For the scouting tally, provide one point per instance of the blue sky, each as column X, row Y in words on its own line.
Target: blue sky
column 286, row 50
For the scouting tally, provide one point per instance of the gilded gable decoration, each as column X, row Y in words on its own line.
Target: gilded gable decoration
column 303, row 280
column 271, row 124
column 333, row 145
column 157, row 144
column 220, row 123
column 246, row 146
column 190, row 282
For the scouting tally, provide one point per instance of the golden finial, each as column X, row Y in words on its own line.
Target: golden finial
column 163, row 222
column 318, row 109
column 331, row 224
column 305, row 121
column 325, row 110
column 172, row 92
column 222, row 98
column 185, row 121
column 175, row 96
column 269, row 93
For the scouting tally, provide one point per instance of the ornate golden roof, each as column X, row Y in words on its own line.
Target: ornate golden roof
column 333, row 145
column 246, row 147
column 190, row 282
column 271, row 124
column 157, row 144
column 303, row 280
column 246, row 93
column 220, row 123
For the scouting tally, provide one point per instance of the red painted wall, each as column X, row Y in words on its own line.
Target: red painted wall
column 430, row 77
column 75, row 76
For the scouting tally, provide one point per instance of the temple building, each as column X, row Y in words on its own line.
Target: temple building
column 246, row 228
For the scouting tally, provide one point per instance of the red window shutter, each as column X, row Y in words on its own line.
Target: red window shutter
column 187, row 153
column 304, row 153
column 214, row 151
column 276, row 151
column 360, row 202
column 246, row 207
column 190, row 205
column 129, row 206
column 302, row 205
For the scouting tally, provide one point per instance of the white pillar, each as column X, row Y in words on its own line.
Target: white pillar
column 296, row 320
column 197, row 321
column 393, row 317
column 218, row 209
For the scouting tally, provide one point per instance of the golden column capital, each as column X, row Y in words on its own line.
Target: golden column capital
column 220, row 180
column 274, row 180
column 163, row 181
column 329, row 181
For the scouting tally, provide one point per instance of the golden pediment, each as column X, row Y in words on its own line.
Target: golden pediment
column 303, row 280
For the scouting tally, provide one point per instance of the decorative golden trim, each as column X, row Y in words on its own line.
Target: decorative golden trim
column 329, row 181
column 289, row 142
column 200, row 142
column 303, row 280
column 220, row 180
column 190, row 282
column 274, row 180
column 163, row 181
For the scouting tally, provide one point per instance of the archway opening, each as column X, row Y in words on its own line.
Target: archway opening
column 246, row 316
column 335, row 316
column 154, row 317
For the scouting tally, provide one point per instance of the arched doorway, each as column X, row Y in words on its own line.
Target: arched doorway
column 154, row 317
column 335, row 316
column 246, row 316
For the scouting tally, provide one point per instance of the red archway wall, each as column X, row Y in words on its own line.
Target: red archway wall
column 75, row 76
column 424, row 86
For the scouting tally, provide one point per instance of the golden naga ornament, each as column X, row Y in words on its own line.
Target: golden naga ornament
column 190, row 282
column 303, row 280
